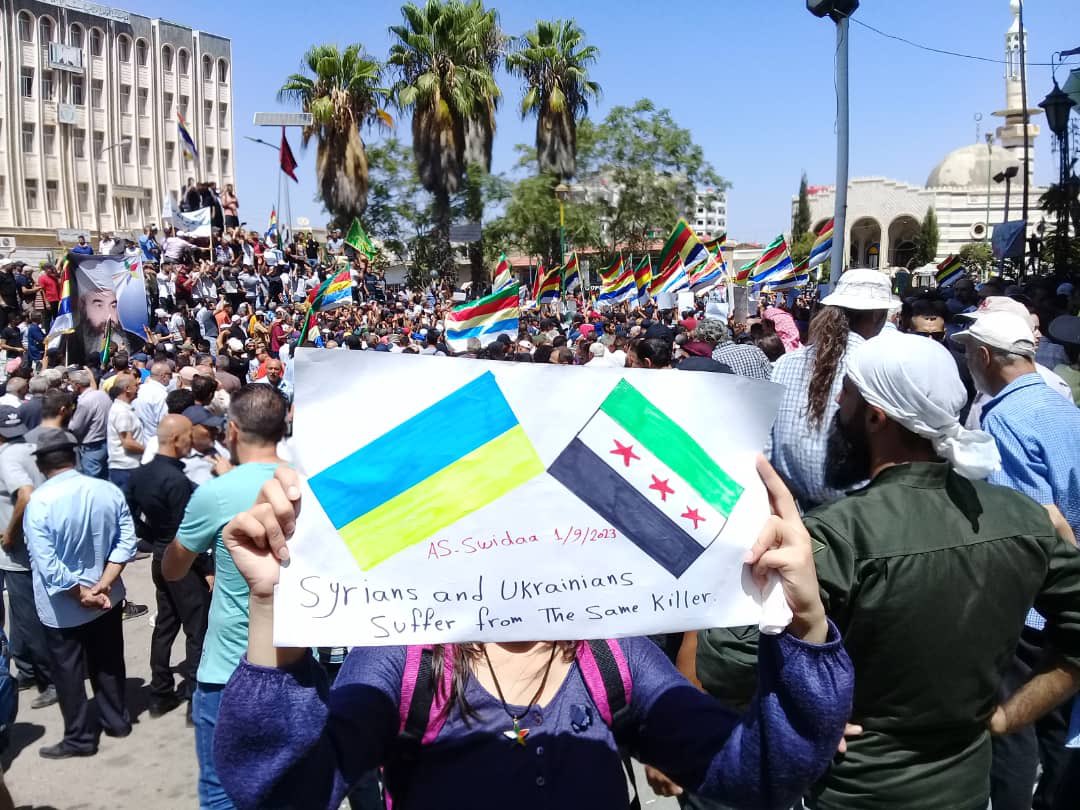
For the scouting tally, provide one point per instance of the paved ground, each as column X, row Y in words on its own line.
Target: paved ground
column 153, row 769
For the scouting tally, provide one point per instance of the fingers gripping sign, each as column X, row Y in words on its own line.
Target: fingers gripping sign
column 783, row 549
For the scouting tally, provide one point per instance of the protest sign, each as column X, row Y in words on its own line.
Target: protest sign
column 514, row 501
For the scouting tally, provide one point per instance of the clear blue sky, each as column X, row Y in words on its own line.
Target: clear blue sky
column 752, row 79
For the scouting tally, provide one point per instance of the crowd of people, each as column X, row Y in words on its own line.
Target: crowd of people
column 924, row 477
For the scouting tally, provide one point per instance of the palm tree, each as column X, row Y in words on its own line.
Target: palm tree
column 444, row 56
column 554, row 63
column 343, row 92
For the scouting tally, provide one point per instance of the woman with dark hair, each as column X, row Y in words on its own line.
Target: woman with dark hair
column 812, row 377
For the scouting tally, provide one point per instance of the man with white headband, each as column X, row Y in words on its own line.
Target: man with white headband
column 928, row 572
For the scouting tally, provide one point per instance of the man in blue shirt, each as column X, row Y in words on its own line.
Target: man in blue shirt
column 80, row 535
column 82, row 248
column 256, row 425
column 1036, row 431
column 148, row 246
column 35, row 340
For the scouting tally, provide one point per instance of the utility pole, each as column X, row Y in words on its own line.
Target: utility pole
column 839, row 11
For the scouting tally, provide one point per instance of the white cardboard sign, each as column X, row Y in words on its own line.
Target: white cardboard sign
column 451, row 500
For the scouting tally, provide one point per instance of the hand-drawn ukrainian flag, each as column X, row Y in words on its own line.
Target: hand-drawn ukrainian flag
column 645, row 475
column 461, row 454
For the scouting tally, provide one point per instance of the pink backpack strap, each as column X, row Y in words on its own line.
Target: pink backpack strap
column 606, row 673
column 423, row 706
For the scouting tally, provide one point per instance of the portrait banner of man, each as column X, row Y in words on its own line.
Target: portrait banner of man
column 109, row 289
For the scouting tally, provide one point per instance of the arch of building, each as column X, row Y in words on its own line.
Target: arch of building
column 864, row 243
column 903, row 233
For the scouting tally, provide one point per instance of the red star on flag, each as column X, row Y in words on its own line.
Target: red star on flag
column 626, row 451
column 692, row 514
column 661, row 487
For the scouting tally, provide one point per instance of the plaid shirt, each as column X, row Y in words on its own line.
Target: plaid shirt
column 744, row 359
column 797, row 450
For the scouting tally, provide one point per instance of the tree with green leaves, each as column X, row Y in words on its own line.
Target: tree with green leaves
column 442, row 58
column 926, row 241
column 343, row 91
column 553, row 61
column 800, row 220
column 977, row 258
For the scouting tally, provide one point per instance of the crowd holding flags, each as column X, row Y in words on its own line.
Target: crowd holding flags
column 485, row 319
column 822, row 248
column 950, row 271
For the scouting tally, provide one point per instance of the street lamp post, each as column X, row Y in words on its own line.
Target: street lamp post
column 989, row 171
column 1058, row 105
column 562, row 194
column 125, row 141
column 839, row 11
column 1006, row 176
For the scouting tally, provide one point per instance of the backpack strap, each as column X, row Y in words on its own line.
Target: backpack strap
column 607, row 676
column 422, row 708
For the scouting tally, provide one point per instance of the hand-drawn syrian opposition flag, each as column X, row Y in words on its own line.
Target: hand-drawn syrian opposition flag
column 645, row 475
column 461, row 454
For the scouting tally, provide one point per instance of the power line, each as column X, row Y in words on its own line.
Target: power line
column 942, row 51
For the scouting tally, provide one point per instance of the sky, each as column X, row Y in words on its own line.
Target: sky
column 751, row 79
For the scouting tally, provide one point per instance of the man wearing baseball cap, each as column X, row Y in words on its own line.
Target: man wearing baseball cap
column 1036, row 432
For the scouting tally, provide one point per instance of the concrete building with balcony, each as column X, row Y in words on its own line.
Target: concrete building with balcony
column 89, row 97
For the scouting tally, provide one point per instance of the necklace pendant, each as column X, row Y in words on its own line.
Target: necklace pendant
column 517, row 734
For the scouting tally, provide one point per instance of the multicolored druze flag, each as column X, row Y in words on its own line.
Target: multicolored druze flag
column 643, row 277
column 187, row 143
column 358, row 240
column 571, row 274
column 819, row 253
column 335, row 292
column 451, row 459
column 619, row 284
column 548, row 283
column 484, row 319
column 681, row 253
column 743, row 276
column 645, row 475
column 793, row 279
column 950, row 271
column 709, row 273
column 64, row 322
column 503, row 276
column 271, row 234
column 713, row 245
column 775, row 261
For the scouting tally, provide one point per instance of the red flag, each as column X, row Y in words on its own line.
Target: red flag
column 288, row 162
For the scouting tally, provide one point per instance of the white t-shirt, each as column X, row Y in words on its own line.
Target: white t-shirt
column 122, row 419
column 17, row 470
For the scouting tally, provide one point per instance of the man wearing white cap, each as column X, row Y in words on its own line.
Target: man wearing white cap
column 931, row 605
column 812, row 375
column 1038, row 434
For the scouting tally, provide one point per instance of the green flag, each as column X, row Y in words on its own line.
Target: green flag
column 358, row 240
column 106, row 345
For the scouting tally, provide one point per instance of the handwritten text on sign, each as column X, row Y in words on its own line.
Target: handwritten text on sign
column 465, row 506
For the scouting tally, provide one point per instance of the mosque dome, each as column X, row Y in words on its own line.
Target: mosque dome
column 971, row 166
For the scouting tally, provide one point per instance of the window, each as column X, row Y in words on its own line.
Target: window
column 208, row 113
column 142, row 53
column 125, row 98
column 75, row 36
column 210, row 158
column 207, row 68
column 224, row 161
column 166, row 58
column 123, row 48
column 76, row 90
column 27, row 137
column 52, row 195
column 97, row 40
column 48, row 135
column 129, row 206
column 222, row 115
column 26, row 82
column 182, row 106
column 47, row 85
column 144, row 100
column 167, row 106
column 31, row 193
column 82, row 195
column 78, row 142
column 170, row 153
column 222, row 71
column 97, row 94
column 183, row 61
column 102, row 198
column 45, row 30
column 26, row 27
column 125, row 151
column 144, row 151
column 99, row 144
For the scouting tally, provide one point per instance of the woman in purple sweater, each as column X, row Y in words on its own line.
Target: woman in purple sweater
column 284, row 740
